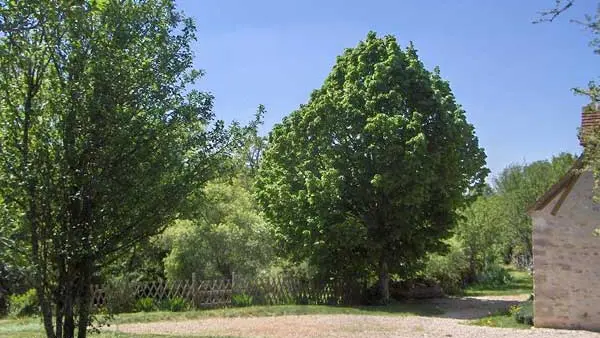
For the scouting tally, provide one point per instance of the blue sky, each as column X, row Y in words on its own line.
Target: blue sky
column 512, row 77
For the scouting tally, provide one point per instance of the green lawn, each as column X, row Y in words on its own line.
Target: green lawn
column 522, row 283
column 31, row 327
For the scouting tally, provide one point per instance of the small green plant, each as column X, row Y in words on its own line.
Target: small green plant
column 145, row 304
column 176, row 304
column 22, row 305
column 241, row 300
column 524, row 313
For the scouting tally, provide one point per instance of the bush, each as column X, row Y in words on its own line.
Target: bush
column 119, row 296
column 494, row 275
column 25, row 304
column 176, row 304
column 523, row 313
column 241, row 300
column 145, row 304
column 448, row 270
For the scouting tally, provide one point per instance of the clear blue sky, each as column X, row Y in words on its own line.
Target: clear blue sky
column 513, row 78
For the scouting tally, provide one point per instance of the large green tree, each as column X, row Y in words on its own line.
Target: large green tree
column 482, row 234
column 369, row 174
column 100, row 139
column 518, row 187
column 226, row 235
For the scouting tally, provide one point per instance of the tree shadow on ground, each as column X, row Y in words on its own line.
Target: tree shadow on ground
column 452, row 307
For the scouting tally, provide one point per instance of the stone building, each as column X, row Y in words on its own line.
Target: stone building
column 566, row 253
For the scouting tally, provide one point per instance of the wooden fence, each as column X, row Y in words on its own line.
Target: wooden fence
column 221, row 293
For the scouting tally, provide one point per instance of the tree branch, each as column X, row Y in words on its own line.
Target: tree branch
column 551, row 14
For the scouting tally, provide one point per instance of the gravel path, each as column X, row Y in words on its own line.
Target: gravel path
column 451, row 324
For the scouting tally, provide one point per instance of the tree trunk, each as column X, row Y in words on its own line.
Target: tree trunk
column 84, row 298
column 59, row 315
column 32, row 218
column 59, row 297
column 384, row 281
column 69, row 313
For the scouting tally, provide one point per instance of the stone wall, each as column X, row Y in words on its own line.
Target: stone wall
column 567, row 261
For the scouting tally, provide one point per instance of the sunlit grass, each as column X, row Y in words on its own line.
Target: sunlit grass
column 522, row 283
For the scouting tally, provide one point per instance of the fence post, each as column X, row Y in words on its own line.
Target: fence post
column 194, row 289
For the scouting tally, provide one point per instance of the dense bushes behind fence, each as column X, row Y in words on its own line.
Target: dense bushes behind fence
column 122, row 296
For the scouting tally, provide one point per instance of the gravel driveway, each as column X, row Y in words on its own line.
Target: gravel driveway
column 451, row 324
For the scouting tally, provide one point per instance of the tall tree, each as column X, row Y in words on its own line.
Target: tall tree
column 518, row 187
column 368, row 175
column 224, row 232
column 227, row 235
column 100, row 140
column 481, row 233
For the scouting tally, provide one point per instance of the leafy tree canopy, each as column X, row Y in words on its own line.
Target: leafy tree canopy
column 227, row 236
column 100, row 139
column 369, row 174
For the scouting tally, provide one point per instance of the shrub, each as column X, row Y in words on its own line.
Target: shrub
column 176, row 304
column 25, row 304
column 145, row 304
column 241, row 300
column 494, row 275
column 119, row 296
column 523, row 313
column 448, row 270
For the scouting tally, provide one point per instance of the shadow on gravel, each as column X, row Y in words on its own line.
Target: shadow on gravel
column 452, row 307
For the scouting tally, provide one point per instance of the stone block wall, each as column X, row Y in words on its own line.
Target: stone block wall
column 567, row 261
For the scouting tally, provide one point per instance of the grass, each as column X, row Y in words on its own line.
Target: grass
column 522, row 283
column 508, row 319
column 31, row 327
column 396, row 308
column 500, row 319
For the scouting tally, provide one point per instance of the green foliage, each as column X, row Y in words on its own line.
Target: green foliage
column 520, row 282
column 241, row 300
column 175, row 304
column 149, row 304
column 102, row 138
column 502, row 319
column 282, row 267
column 145, row 304
column 120, row 296
column 481, row 233
column 448, row 269
column 518, row 187
column 496, row 228
column 14, row 263
column 523, row 313
column 494, row 275
column 25, row 304
column 366, row 177
column 228, row 235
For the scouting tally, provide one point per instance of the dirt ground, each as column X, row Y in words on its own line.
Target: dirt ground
column 457, row 311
